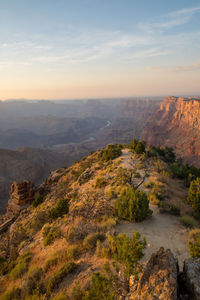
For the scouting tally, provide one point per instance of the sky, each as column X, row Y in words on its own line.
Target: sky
column 65, row 49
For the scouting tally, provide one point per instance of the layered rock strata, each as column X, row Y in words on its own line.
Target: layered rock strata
column 176, row 124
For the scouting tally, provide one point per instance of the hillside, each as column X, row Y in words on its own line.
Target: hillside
column 176, row 124
column 26, row 164
column 71, row 243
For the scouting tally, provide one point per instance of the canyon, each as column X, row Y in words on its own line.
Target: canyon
column 176, row 124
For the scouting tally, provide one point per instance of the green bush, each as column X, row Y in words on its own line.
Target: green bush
column 125, row 250
column 13, row 294
column 59, row 210
column 50, row 263
column 100, row 288
column 153, row 199
column 188, row 221
column 194, row 195
column 37, row 200
column 72, row 252
column 194, row 243
column 33, row 286
column 111, row 152
column 38, row 221
column 91, row 240
column 60, row 297
column 21, row 266
column 58, row 277
column 100, row 182
column 107, row 223
column 132, row 205
column 50, row 233
column 137, row 146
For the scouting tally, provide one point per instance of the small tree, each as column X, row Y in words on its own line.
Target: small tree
column 132, row 205
column 140, row 148
column 194, row 195
column 194, row 243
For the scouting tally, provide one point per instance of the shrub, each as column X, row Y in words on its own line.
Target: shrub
column 60, row 297
column 111, row 194
column 140, row 148
column 50, row 263
column 14, row 293
column 194, row 195
column 33, row 285
column 50, row 233
column 132, row 205
column 153, row 199
column 107, row 223
column 60, row 209
column 188, row 221
column 194, row 243
column 100, row 288
column 111, row 152
column 58, row 277
column 22, row 265
column 72, row 252
column 37, row 200
column 125, row 250
column 100, row 182
column 38, row 222
column 91, row 240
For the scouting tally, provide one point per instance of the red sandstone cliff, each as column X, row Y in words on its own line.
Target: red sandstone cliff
column 176, row 124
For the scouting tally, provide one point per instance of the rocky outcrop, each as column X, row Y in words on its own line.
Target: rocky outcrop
column 158, row 280
column 21, row 195
column 176, row 124
column 191, row 272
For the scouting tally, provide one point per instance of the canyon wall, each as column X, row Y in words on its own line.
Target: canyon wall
column 176, row 124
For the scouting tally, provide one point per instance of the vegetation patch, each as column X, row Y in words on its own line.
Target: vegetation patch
column 58, row 276
column 100, row 182
column 125, row 250
column 21, row 266
column 50, row 263
column 194, row 243
column 188, row 221
column 37, row 200
column 91, row 240
column 132, row 205
column 111, row 152
column 194, row 195
column 50, row 233
column 59, row 210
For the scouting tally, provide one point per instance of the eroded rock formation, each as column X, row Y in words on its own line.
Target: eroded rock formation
column 21, row 195
column 176, row 124
column 158, row 280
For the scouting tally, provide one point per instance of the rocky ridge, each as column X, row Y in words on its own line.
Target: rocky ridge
column 176, row 124
column 72, row 228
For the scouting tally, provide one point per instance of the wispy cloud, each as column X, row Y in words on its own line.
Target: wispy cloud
column 147, row 40
column 167, row 21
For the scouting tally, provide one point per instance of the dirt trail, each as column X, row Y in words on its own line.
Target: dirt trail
column 160, row 230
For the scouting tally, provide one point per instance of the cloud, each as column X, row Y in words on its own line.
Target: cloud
column 167, row 21
column 146, row 40
column 188, row 68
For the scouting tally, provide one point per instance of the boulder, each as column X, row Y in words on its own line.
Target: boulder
column 158, row 280
column 191, row 271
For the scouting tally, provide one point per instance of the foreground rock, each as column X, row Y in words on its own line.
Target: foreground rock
column 191, row 272
column 158, row 280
